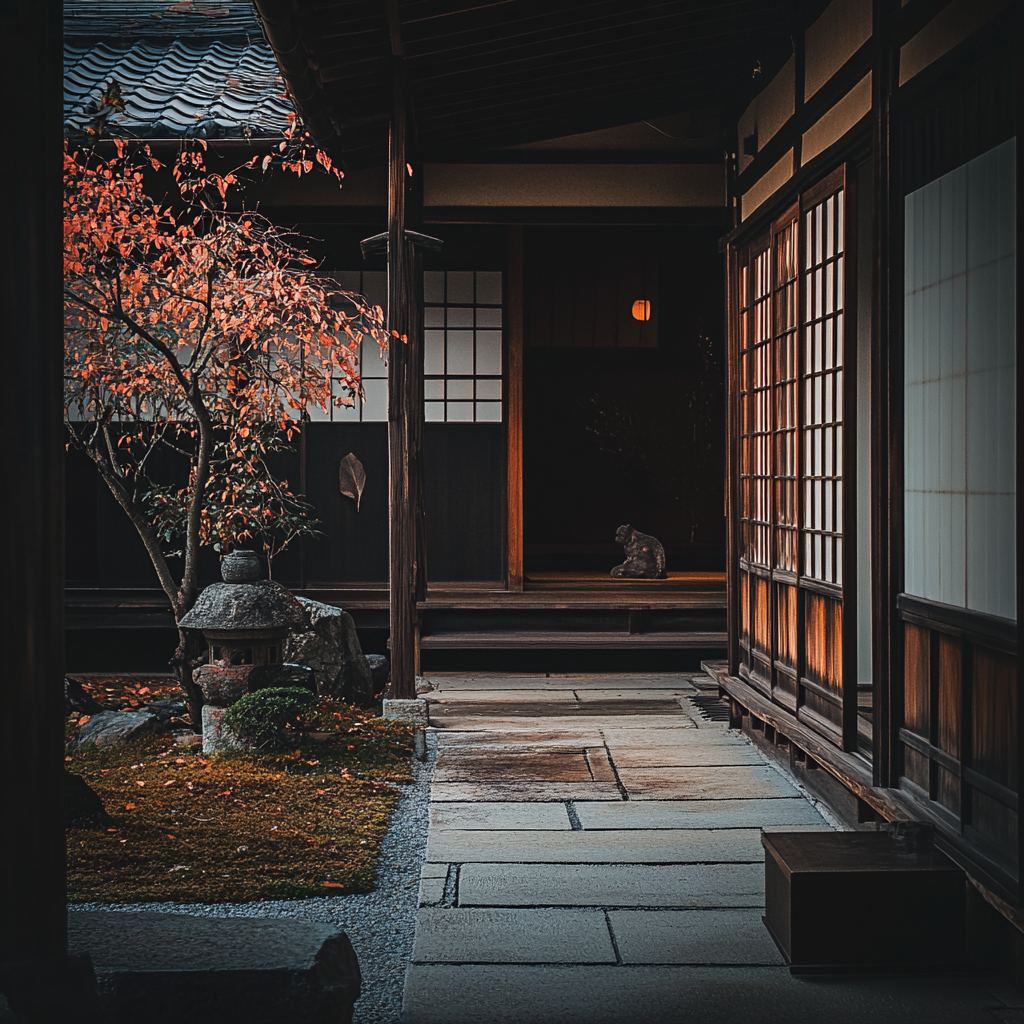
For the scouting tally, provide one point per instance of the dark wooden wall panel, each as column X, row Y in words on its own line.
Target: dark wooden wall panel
column 916, row 680
column 994, row 717
column 465, row 497
column 823, row 629
column 355, row 544
column 950, row 710
column 785, row 625
column 915, row 768
column 958, row 734
column 996, row 823
column 762, row 619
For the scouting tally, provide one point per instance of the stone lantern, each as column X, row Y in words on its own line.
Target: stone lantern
column 245, row 621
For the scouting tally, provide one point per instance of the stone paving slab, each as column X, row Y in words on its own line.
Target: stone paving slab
column 532, row 792
column 517, row 816
column 685, row 755
column 512, row 936
column 612, row 885
column 513, row 994
column 693, row 937
column 656, row 814
column 432, row 882
column 524, row 766
column 704, row 783
column 676, row 846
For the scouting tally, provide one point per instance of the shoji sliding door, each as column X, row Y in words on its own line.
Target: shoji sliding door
column 790, row 349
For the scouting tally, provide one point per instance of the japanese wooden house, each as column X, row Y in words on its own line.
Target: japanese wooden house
column 816, row 206
column 874, row 338
column 552, row 414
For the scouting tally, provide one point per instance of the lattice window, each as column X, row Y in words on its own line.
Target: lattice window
column 373, row 369
column 823, row 390
column 462, row 348
column 758, row 547
column 462, row 345
column 784, row 392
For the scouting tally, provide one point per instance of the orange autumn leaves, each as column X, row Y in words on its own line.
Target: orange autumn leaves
column 201, row 328
column 167, row 304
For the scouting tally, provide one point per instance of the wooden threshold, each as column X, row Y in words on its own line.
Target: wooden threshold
column 565, row 591
column 514, row 639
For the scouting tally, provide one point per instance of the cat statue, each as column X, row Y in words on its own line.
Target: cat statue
column 645, row 557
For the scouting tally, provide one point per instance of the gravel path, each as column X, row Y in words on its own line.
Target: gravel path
column 379, row 923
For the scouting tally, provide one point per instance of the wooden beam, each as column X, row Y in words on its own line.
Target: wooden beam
column 402, row 569
column 514, row 410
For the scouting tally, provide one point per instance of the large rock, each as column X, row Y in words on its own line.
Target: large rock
column 331, row 648
column 230, row 970
column 109, row 728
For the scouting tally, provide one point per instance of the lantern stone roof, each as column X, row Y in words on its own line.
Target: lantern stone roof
column 196, row 70
column 261, row 604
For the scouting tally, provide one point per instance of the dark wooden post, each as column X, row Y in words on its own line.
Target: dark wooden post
column 401, row 389
column 514, row 419
column 37, row 978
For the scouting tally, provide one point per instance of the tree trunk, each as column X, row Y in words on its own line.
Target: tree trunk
column 188, row 656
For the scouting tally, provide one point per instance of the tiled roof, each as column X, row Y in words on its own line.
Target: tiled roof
column 202, row 70
column 159, row 19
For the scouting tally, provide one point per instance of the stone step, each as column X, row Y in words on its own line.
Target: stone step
column 158, row 968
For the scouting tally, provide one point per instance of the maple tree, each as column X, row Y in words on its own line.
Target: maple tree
column 204, row 330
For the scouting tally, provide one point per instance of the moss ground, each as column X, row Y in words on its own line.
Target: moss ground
column 243, row 826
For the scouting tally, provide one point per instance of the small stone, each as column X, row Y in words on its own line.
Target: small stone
column 411, row 712
column 380, row 670
column 109, row 728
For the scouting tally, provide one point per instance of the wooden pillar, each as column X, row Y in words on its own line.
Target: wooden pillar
column 514, row 420
column 401, row 397
column 886, row 427
column 36, row 976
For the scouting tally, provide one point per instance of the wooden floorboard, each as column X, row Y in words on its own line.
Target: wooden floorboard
column 571, row 640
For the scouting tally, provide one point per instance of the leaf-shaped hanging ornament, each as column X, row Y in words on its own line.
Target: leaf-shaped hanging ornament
column 352, row 478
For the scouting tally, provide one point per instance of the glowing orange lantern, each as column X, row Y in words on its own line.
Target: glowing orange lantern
column 641, row 310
